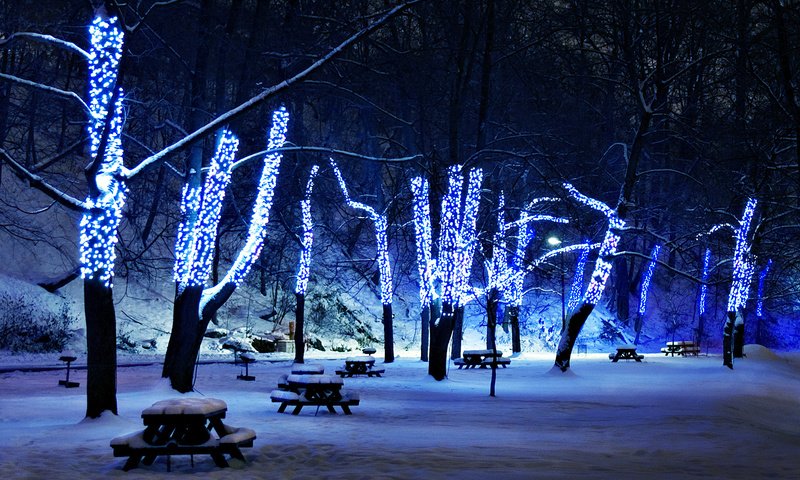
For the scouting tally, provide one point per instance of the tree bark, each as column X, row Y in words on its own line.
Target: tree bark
column 425, row 319
column 738, row 336
column 513, row 318
column 574, row 325
column 458, row 328
column 299, row 336
column 388, row 334
column 440, row 340
column 491, row 326
column 180, row 358
column 101, row 343
column 727, row 339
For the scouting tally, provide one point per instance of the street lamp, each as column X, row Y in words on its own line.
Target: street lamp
column 554, row 242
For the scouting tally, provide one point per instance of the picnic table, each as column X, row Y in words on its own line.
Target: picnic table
column 625, row 352
column 183, row 426
column 316, row 390
column 482, row 359
column 681, row 347
column 362, row 365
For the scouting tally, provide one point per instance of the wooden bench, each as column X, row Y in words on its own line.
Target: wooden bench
column 682, row 348
column 298, row 401
column 134, row 446
column 490, row 362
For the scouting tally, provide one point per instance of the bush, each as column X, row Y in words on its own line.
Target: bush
column 26, row 327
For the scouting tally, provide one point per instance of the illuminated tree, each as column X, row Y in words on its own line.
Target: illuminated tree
column 576, row 289
column 426, row 264
column 760, row 299
column 443, row 279
column 195, row 305
column 602, row 269
column 304, row 270
column 743, row 266
column 701, row 302
column 643, row 289
column 382, row 247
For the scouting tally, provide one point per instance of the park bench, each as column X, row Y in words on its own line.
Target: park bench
column 682, row 348
column 298, row 400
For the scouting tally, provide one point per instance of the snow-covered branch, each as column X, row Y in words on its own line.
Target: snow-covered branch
column 267, row 93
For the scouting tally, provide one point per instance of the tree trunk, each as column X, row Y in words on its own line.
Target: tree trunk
column 458, row 327
column 440, row 339
column 299, row 337
column 727, row 339
column 738, row 335
column 180, row 358
column 513, row 318
column 623, row 286
column 388, row 334
column 425, row 319
column 574, row 325
column 637, row 325
column 101, row 344
column 491, row 326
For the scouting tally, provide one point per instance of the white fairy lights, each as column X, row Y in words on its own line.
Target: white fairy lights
column 98, row 225
column 257, row 230
column 742, row 263
column 602, row 267
column 424, row 238
column 194, row 248
column 304, row 270
column 651, row 267
column 382, row 245
column 704, row 278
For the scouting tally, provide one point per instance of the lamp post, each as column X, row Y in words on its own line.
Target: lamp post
column 554, row 242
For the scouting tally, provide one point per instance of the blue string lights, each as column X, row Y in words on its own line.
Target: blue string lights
column 304, row 270
column 467, row 241
column 761, row 276
column 382, row 245
column 576, row 289
column 99, row 224
column 448, row 237
column 743, row 264
column 602, row 267
column 426, row 265
column 257, row 229
column 701, row 308
column 194, row 249
column 648, row 276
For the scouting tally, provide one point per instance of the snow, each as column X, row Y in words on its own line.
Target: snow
column 667, row 417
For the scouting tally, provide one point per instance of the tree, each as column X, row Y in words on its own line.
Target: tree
column 385, row 270
column 304, row 270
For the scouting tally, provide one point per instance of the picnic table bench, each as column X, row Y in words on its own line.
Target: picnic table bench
column 315, row 390
column 482, row 359
column 681, row 347
column 625, row 352
column 183, row 427
column 364, row 365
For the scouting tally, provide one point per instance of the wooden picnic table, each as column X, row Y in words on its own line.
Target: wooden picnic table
column 183, row 426
column 363, row 365
column 625, row 352
column 315, row 390
column 307, row 369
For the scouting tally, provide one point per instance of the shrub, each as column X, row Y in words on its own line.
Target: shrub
column 27, row 327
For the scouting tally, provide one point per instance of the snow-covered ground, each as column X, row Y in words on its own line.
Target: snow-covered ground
column 662, row 418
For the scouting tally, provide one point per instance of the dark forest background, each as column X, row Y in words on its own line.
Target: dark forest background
column 535, row 92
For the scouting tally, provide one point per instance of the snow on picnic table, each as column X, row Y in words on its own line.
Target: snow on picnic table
column 667, row 417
